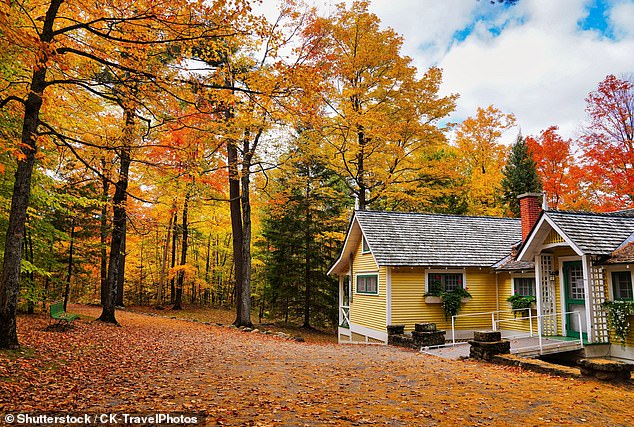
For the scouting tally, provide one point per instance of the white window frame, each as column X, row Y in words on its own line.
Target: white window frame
column 448, row 271
column 365, row 248
column 366, row 274
column 523, row 276
column 611, row 283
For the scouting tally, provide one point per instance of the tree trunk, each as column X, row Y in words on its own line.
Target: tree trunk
column 10, row 282
column 159, row 292
column 70, row 263
column 121, row 275
column 236, row 228
column 181, row 274
column 307, row 257
column 245, row 290
column 103, row 232
column 118, row 222
column 28, row 247
column 173, row 263
column 361, row 172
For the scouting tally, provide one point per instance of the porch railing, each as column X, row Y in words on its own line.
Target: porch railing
column 496, row 322
column 344, row 316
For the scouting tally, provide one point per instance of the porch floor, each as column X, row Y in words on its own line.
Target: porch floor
column 524, row 346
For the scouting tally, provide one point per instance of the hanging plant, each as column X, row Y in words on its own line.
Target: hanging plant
column 619, row 313
column 452, row 301
column 519, row 302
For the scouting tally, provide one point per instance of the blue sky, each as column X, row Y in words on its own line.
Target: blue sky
column 537, row 59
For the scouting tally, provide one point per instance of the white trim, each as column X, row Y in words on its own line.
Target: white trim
column 367, row 273
column 450, row 270
column 388, row 295
column 590, row 333
column 368, row 333
column 529, row 243
column 364, row 242
column 346, row 250
column 370, row 247
column 345, row 245
column 619, row 268
column 522, row 276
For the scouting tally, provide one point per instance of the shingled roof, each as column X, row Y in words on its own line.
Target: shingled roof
column 416, row 239
column 594, row 234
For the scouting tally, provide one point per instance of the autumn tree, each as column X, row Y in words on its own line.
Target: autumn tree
column 63, row 45
column 482, row 158
column 608, row 142
column 377, row 117
column 562, row 178
column 520, row 175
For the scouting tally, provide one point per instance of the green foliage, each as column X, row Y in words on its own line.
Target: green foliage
column 451, row 301
column 520, row 175
column 303, row 227
column 619, row 313
column 520, row 302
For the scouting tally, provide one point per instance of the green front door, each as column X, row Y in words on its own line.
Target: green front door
column 575, row 299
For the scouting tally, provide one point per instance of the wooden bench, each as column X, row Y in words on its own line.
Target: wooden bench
column 62, row 318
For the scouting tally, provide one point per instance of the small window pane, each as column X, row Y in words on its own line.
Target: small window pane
column 367, row 284
column 622, row 285
column 524, row 286
column 365, row 247
column 439, row 282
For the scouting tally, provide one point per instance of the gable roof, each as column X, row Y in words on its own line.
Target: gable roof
column 587, row 233
column 427, row 240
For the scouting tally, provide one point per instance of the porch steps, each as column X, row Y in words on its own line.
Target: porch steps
column 549, row 346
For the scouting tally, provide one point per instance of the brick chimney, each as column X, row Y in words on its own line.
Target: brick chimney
column 530, row 209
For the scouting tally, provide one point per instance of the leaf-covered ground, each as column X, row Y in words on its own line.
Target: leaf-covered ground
column 237, row 378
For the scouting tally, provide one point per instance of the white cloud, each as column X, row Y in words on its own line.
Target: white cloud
column 540, row 67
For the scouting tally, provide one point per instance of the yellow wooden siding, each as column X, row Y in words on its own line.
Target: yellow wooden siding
column 508, row 320
column 553, row 237
column 368, row 310
column 363, row 262
column 409, row 306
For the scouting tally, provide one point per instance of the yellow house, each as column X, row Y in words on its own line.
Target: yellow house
column 570, row 262
column 390, row 261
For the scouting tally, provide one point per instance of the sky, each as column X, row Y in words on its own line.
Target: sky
column 537, row 59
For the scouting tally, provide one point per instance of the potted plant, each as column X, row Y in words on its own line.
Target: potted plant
column 520, row 302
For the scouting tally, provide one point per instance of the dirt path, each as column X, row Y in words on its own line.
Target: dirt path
column 236, row 378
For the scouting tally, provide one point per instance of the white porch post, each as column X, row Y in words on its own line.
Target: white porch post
column 587, row 290
column 538, row 291
column 341, row 291
column 388, row 295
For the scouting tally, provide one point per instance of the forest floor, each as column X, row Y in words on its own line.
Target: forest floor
column 153, row 364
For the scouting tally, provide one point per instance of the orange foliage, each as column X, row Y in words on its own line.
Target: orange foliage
column 230, row 377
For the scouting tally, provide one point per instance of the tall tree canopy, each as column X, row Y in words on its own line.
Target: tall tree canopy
column 608, row 142
column 377, row 118
column 562, row 179
column 520, row 175
column 482, row 158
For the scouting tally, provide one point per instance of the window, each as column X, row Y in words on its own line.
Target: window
column 365, row 248
column 439, row 282
column 368, row 284
column 622, row 285
column 524, row 286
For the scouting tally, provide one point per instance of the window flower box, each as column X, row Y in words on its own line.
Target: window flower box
column 438, row 300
